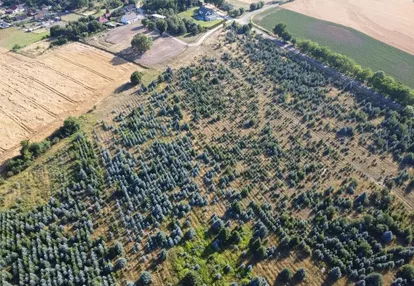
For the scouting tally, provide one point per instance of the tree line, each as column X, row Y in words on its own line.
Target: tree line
column 381, row 82
column 75, row 30
column 30, row 151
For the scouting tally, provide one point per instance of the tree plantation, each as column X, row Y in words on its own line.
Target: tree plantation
column 249, row 168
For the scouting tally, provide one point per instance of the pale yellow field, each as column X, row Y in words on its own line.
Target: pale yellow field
column 37, row 94
column 390, row 21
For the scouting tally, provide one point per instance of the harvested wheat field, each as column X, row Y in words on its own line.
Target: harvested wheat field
column 37, row 94
column 390, row 21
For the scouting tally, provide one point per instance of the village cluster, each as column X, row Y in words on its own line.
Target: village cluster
column 22, row 15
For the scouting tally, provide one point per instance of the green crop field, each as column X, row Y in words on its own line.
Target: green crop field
column 14, row 36
column 189, row 15
column 365, row 50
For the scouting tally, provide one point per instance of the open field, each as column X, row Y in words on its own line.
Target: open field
column 389, row 21
column 189, row 15
column 38, row 94
column 71, row 17
column 365, row 50
column 118, row 41
column 15, row 36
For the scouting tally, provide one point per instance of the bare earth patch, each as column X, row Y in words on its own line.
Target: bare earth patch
column 37, row 94
column 118, row 41
column 390, row 21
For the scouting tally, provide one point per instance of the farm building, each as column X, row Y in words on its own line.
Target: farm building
column 206, row 14
column 129, row 18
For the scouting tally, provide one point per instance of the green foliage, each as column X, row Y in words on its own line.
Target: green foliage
column 285, row 275
column 141, row 43
column 281, row 30
column 256, row 6
column 31, row 151
column 70, row 126
column 136, row 77
column 75, row 30
column 364, row 50
column 145, row 278
column 300, row 275
column 16, row 47
column 192, row 278
column 406, row 272
column 374, row 279
column 161, row 25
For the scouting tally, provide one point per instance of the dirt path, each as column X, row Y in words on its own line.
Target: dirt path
column 389, row 21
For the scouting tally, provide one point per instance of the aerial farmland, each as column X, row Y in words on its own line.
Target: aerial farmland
column 183, row 143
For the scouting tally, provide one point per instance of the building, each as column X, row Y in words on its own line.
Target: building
column 42, row 15
column 20, row 17
column 16, row 9
column 156, row 16
column 102, row 20
column 129, row 18
column 206, row 14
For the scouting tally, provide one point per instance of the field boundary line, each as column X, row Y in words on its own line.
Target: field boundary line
column 32, row 100
column 116, row 55
column 46, row 86
column 84, row 67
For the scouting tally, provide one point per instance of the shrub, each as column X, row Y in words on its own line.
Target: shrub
column 258, row 281
column 285, row 275
column 335, row 273
column 70, row 126
column 406, row 272
column 121, row 263
column 300, row 275
column 145, row 278
column 387, row 237
column 374, row 279
column 191, row 278
column 136, row 78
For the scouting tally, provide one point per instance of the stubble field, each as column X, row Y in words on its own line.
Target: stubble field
column 388, row 21
column 37, row 94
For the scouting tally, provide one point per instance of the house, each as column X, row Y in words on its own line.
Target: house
column 16, row 9
column 206, row 14
column 31, row 12
column 102, row 20
column 4, row 25
column 42, row 14
column 129, row 18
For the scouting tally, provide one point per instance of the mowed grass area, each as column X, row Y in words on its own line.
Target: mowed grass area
column 189, row 15
column 365, row 50
column 71, row 17
column 15, row 36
